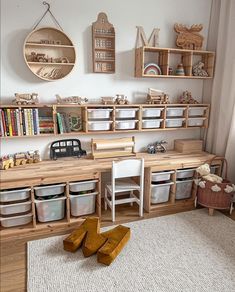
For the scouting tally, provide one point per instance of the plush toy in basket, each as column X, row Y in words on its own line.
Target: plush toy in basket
column 213, row 191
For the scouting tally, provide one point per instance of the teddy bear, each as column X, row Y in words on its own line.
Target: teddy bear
column 204, row 171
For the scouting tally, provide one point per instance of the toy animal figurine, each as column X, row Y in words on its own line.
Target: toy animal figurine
column 186, row 97
column 121, row 99
column 199, row 71
column 25, row 98
column 157, row 147
column 156, row 96
column 71, row 100
column 189, row 37
column 108, row 100
column 6, row 162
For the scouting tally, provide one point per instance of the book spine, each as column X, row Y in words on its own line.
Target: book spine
column 29, row 121
column 12, row 122
column 18, row 122
column 60, row 126
column 3, row 122
column 15, row 123
column 23, row 122
column 6, row 122
column 34, row 122
column 37, row 121
column 9, row 122
column 26, row 122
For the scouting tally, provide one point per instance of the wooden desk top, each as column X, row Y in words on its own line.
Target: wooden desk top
column 69, row 169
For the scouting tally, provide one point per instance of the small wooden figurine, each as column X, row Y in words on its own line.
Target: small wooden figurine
column 180, row 70
column 186, row 97
column 6, row 162
column 108, row 100
column 199, row 71
column 25, row 98
column 121, row 99
column 156, row 96
column 189, row 37
column 71, row 100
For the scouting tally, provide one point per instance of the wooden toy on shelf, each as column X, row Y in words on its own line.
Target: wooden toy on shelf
column 189, row 37
column 180, row 70
column 186, row 97
column 108, row 100
column 6, row 162
column 25, row 98
column 198, row 70
column 103, row 45
column 71, row 100
column 156, row 96
column 66, row 148
column 106, row 148
column 121, row 99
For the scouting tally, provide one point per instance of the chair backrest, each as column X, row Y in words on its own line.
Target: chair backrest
column 128, row 168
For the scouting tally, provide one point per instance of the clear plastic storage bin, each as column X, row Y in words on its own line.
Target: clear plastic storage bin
column 14, row 195
column 175, row 111
column 174, row 123
column 196, row 122
column 50, row 210
column 183, row 189
column 82, row 186
column 16, row 220
column 126, row 113
column 125, row 125
column 161, row 176
column 99, row 113
column 99, row 125
column 152, row 112
column 151, row 124
column 83, row 204
column 160, row 193
column 185, row 173
column 10, row 209
column 196, row 111
column 51, row 190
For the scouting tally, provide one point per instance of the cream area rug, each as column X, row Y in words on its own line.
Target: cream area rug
column 189, row 251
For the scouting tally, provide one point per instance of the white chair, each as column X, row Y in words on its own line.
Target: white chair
column 122, row 172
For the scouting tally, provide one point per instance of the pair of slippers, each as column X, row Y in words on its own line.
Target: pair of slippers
column 107, row 245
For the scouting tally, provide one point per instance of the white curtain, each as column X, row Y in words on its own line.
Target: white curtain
column 221, row 133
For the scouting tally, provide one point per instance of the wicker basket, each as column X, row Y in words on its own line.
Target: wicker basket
column 214, row 195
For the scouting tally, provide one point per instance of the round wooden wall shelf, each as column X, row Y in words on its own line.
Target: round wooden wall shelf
column 49, row 53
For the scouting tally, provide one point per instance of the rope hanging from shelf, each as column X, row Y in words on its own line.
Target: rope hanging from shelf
column 44, row 14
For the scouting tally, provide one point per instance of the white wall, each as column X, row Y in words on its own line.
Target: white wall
column 76, row 17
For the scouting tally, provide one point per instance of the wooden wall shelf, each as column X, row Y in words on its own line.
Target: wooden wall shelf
column 166, row 57
column 113, row 123
column 53, row 44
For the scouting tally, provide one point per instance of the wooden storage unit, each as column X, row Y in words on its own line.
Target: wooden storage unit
column 103, row 45
column 49, row 53
column 111, row 122
column 164, row 58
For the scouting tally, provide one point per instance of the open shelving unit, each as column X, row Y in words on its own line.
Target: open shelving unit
column 114, row 121
column 170, row 57
column 56, row 50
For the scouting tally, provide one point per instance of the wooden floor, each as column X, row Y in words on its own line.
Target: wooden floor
column 13, row 259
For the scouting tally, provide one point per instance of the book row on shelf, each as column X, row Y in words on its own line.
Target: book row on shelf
column 24, row 122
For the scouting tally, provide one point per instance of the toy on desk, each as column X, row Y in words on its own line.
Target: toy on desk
column 108, row 100
column 121, row 99
column 198, row 70
column 25, row 98
column 156, row 96
column 158, row 146
column 107, row 148
column 71, row 100
column 189, row 37
column 66, row 148
column 6, row 162
column 186, row 97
